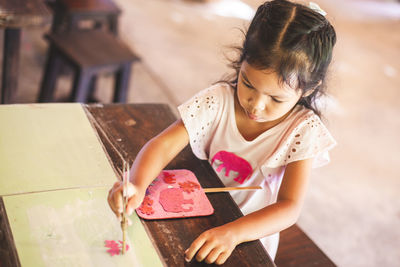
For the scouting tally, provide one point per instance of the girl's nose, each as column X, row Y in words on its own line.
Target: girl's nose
column 257, row 104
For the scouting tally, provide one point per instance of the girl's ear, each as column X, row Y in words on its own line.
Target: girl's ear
column 309, row 92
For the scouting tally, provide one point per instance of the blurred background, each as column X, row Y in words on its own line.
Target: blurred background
column 352, row 210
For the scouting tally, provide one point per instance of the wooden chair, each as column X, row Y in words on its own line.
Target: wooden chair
column 88, row 53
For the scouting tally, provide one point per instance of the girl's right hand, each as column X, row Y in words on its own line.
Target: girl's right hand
column 135, row 198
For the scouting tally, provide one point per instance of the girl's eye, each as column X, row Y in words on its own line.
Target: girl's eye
column 247, row 85
column 276, row 100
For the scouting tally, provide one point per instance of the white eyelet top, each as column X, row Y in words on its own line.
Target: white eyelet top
column 209, row 119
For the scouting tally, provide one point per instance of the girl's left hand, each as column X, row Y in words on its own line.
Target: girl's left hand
column 213, row 246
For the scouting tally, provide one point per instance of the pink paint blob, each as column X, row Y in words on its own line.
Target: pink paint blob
column 231, row 162
column 169, row 178
column 114, row 247
column 189, row 186
column 148, row 210
column 146, row 207
column 171, row 199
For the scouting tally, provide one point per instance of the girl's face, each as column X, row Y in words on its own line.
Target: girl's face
column 262, row 97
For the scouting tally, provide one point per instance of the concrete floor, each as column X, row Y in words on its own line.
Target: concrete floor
column 352, row 210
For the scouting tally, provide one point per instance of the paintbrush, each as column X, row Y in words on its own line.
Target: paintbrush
column 124, row 221
column 227, row 189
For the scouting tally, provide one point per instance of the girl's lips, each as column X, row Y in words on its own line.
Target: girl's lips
column 251, row 116
column 254, row 117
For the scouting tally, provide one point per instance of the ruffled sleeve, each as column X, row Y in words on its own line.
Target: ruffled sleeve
column 199, row 115
column 309, row 139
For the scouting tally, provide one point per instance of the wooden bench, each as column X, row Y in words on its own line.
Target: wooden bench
column 297, row 249
column 88, row 53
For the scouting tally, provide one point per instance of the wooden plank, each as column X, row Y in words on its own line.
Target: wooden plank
column 297, row 249
column 130, row 127
column 8, row 252
column 93, row 48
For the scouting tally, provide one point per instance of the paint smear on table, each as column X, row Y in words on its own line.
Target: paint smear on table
column 114, row 247
column 69, row 227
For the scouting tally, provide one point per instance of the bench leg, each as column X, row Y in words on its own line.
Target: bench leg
column 58, row 17
column 11, row 53
column 121, row 83
column 92, row 89
column 80, row 90
column 49, row 78
column 113, row 24
column 73, row 22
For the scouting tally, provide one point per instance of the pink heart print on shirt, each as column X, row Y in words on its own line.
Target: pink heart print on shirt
column 232, row 162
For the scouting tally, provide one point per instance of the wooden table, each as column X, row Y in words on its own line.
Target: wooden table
column 129, row 127
column 15, row 15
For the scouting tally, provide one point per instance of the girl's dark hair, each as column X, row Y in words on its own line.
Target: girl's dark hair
column 294, row 41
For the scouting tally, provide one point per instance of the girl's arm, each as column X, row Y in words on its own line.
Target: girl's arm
column 152, row 158
column 216, row 245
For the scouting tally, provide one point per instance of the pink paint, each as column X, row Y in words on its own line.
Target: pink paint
column 148, row 210
column 114, row 247
column 180, row 199
column 189, row 186
column 146, row 206
column 231, row 162
column 147, row 201
column 171, row 199
column 169, row 178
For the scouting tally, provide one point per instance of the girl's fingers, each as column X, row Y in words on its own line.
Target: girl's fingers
column 119, row 217
column 204, row 251
column 194, row 247
column 222, row 258
column 116, row 198
column 116, row 202
column 213, row 255
column 130, row 190
column 132, row 205
column 133, row 199
column 110, row 198
column 115, row 185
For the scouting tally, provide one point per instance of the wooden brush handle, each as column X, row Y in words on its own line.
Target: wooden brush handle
column 227, row 189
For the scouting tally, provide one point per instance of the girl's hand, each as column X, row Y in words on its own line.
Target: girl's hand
column 213, row 246
column 135, row 198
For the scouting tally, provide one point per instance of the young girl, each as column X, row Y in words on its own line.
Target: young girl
column 262, row 128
